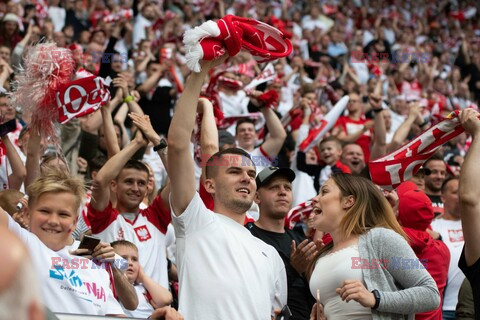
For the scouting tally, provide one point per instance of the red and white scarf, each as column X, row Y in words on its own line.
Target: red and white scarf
column 230, row 34
column 298, row 213
column 82, row 96
column 399, row 166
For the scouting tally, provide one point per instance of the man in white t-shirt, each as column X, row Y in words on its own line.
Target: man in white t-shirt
column 224, row 272
column 69, row 283
column 449, row 226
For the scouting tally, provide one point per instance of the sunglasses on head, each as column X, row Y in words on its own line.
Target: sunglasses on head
column 424, row 171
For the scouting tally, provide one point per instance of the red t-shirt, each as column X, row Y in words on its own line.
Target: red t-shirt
column 351, row 126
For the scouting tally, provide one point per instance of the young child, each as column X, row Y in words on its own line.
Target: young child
column 69, row 283
column 150, row 294
column 330, row 153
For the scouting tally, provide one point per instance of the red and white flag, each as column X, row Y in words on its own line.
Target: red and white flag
column 267, row 74
column 327, row 123
column 228, row 121
column 81, row 97
column 399, row 166
column 298, row 213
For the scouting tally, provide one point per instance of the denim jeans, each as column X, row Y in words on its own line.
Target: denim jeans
column 448, row 315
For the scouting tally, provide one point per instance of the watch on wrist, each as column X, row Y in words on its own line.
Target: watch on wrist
column 162, row 145
column 376, row 294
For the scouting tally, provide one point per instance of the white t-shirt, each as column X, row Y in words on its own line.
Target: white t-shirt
column 224, row 271
column 57, row 15
column 75, row 285
column 452, row 235
column 144, row 308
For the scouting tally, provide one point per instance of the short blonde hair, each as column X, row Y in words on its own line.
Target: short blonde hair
column 56, row 181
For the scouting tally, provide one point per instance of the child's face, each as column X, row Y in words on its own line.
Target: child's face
column 131, row 255
column 330, row 152
column 53, row 217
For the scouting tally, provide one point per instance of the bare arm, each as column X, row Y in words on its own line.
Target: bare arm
column 342, row 136
column 208, row 132
column 379, row 146
column 16, row 178
column 109, row 131
column 469, row 192
column 151, row 81
column 276, row 133
column 33, row 157
column 180, row 162
column 402, row 132
column 160, row 296
column 101, row 190
column 125, row 291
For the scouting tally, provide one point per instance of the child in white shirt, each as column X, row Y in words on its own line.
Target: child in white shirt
column 151, row 295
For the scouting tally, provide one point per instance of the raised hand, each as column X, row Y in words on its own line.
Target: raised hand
column 142, row 122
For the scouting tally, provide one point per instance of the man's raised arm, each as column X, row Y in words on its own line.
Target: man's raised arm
column 469, row 192
column 111, row 169
column 180, row 161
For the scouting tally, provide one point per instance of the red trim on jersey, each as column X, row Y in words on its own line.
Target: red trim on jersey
column 266, row 155
column 100, row 220
column 156, row 214
column 343, row 167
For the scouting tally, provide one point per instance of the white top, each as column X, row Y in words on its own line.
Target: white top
column 139, row 29
column 329, row 273
column 75, row 284
column 144, row 308
column 58, row 16
column 452, row 235
column 224, row 271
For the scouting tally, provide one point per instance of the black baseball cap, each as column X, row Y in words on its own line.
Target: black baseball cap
column 268, row 173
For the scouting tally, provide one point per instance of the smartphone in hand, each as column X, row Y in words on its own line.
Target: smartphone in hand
column 7, row 127
column 89, row 242
column 285, row 314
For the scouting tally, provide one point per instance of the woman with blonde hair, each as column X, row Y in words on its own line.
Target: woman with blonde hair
column 368, row 271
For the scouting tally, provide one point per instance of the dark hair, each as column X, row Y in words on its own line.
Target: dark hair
column 97, row 162
column 212, row 162
column 435, row 157
column 137, row 165
column 242, row 121
column 3, row 94
column 445, row 183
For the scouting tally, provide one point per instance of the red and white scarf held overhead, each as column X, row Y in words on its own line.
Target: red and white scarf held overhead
column 399, row 166
column 229, row 35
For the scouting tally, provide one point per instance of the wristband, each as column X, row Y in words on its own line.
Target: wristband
column 377, row 110
column 376, row 294
column 162, row 145
column 128, row 99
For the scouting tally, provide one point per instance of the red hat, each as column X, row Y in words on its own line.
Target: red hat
column 415, row 210
column 406, row 186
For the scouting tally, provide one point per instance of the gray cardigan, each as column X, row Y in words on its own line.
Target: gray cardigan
column 402, row 271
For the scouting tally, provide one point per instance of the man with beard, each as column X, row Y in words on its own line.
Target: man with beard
column 353, row 157
column 449, row 226
column 224, row 271
column 435, row 172
column 274, row 197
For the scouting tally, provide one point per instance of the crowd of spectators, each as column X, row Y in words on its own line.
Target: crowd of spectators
column 405, row 66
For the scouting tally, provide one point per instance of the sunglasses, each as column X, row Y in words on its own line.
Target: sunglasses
column 424, row 171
